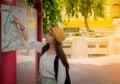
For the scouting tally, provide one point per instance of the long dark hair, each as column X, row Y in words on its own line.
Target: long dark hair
column 59, row 51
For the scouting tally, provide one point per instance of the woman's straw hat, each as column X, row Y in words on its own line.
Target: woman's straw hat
column 58, row 34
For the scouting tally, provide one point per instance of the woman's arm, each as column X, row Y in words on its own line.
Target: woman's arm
column 22, row 27
column 30, row 42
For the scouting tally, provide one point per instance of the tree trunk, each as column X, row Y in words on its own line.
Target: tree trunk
column 86, row 24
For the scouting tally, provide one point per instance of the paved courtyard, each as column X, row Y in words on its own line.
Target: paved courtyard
column 101, row 70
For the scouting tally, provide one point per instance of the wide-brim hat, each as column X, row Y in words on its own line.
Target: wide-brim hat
column 58, row 34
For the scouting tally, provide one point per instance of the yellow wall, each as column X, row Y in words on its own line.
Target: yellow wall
column 107, row 22
column 91, row 23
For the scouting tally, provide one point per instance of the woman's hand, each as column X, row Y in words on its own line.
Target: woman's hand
column 17, row 20
column 22, row 28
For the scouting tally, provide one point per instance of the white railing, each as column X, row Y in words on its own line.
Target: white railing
column 81, row 47
column 97, row 46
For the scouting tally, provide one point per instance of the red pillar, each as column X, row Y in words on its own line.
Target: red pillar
column 38, row 6
column 8, row 71
column 7, row 62
column 0, row 46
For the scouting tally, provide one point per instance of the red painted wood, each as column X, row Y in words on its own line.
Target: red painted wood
column 0, row 46
column 8, row 2
column 7, row 59
column 38, row 6
column 8, row 71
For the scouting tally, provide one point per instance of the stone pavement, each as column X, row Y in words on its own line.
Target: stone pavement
column 102, row 70
column 26, row 68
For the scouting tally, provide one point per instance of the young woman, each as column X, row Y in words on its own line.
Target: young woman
column 48, row 52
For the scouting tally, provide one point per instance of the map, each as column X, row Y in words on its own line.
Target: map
column 11, row 34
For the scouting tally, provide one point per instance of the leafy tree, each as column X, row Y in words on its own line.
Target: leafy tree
column 52, row 9
column 29, row 2
column 87, row 8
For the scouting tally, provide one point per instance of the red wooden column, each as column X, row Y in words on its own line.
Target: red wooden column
column 7, row 59
column 38, row 7
column 0, row 47
column 8, row 70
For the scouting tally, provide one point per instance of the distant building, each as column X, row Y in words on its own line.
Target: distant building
column 112, row 12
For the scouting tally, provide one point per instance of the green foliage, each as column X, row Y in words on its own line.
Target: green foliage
column 78, row 34
column 91, row 30
column 52, row 10
column 87, row 8
column 29, row 2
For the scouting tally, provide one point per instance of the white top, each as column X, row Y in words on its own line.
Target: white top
column 46, row 66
